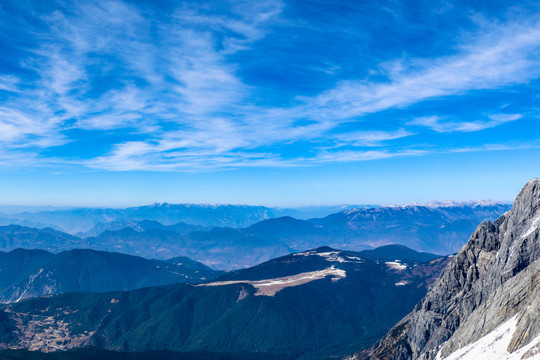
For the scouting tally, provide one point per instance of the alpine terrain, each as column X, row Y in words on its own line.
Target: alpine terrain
column 33, row 273
column 486, row 305
column 310, row 305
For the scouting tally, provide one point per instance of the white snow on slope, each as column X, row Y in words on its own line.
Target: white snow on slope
column 493, row 346
column 534, row 225
column 332, row 256
column 395, row 265
column 269, row 287
column 402, row 283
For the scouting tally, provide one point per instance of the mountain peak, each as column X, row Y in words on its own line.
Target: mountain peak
column 528, row 199
column 324, row 249
column 493, row 278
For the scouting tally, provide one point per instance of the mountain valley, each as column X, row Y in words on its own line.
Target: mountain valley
column 308, row 304
column 288, row 305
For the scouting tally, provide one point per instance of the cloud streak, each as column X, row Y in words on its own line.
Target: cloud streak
column 173, row 89
column 441, row 125
column 503, row 56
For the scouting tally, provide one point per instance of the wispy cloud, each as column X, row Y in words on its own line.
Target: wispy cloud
column 503, row 56
column 9, row 83
column 372, row 138
column 439, row 124
column 172, row 88
column 354, row 156
column 497, row 147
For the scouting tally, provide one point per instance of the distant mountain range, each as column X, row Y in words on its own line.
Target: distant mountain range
column 78, row 221
column 310, row 305
column 140, row 226
column 440, row 229
column 84, row 220
column 34, row 273
column 314, row 304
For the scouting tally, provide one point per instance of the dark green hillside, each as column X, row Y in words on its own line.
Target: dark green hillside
column 282, row 266
column 33, row 273
column 315, row 320
column 92, row 353
column 392, row 252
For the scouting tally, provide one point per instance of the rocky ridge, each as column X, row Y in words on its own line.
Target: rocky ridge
column 492, row 279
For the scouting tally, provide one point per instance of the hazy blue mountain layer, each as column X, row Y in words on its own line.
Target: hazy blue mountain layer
column 84, row 219
column 440, row 229
column 140, row 226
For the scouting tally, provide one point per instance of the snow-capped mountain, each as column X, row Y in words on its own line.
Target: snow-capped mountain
column 486, row 305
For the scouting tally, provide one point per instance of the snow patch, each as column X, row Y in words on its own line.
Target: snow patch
column 402, row 283
column 270, row 287
column 29, row 284
column 332, row 256
column 305, row 253
column 357, row 259
column 494, row 344
column 396, row 265
column 532, row 228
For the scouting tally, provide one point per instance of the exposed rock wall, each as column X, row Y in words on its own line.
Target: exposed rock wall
column 493, row 277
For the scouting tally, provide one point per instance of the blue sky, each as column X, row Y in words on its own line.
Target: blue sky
column 113, row 103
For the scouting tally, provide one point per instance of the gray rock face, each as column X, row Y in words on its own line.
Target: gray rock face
column 494, row 277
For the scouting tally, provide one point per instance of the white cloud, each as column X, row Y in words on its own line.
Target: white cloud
column 439, row 124
column 161, row 157
column 106, row 66
column 372, row 138
column 9, row 83
column 504, row 55
column 350, row 156
column 497, row 147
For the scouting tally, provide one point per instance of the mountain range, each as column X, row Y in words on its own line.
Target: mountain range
column 486, row 304
column 82, row 220
column 140, row 226
column 389, row 302
column 437, row 228
column 309, row 305
column 34, row 273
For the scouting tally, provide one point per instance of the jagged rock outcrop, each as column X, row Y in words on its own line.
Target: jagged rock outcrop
column 493, row 278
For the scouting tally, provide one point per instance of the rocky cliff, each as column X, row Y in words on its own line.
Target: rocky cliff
column 493, row 281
